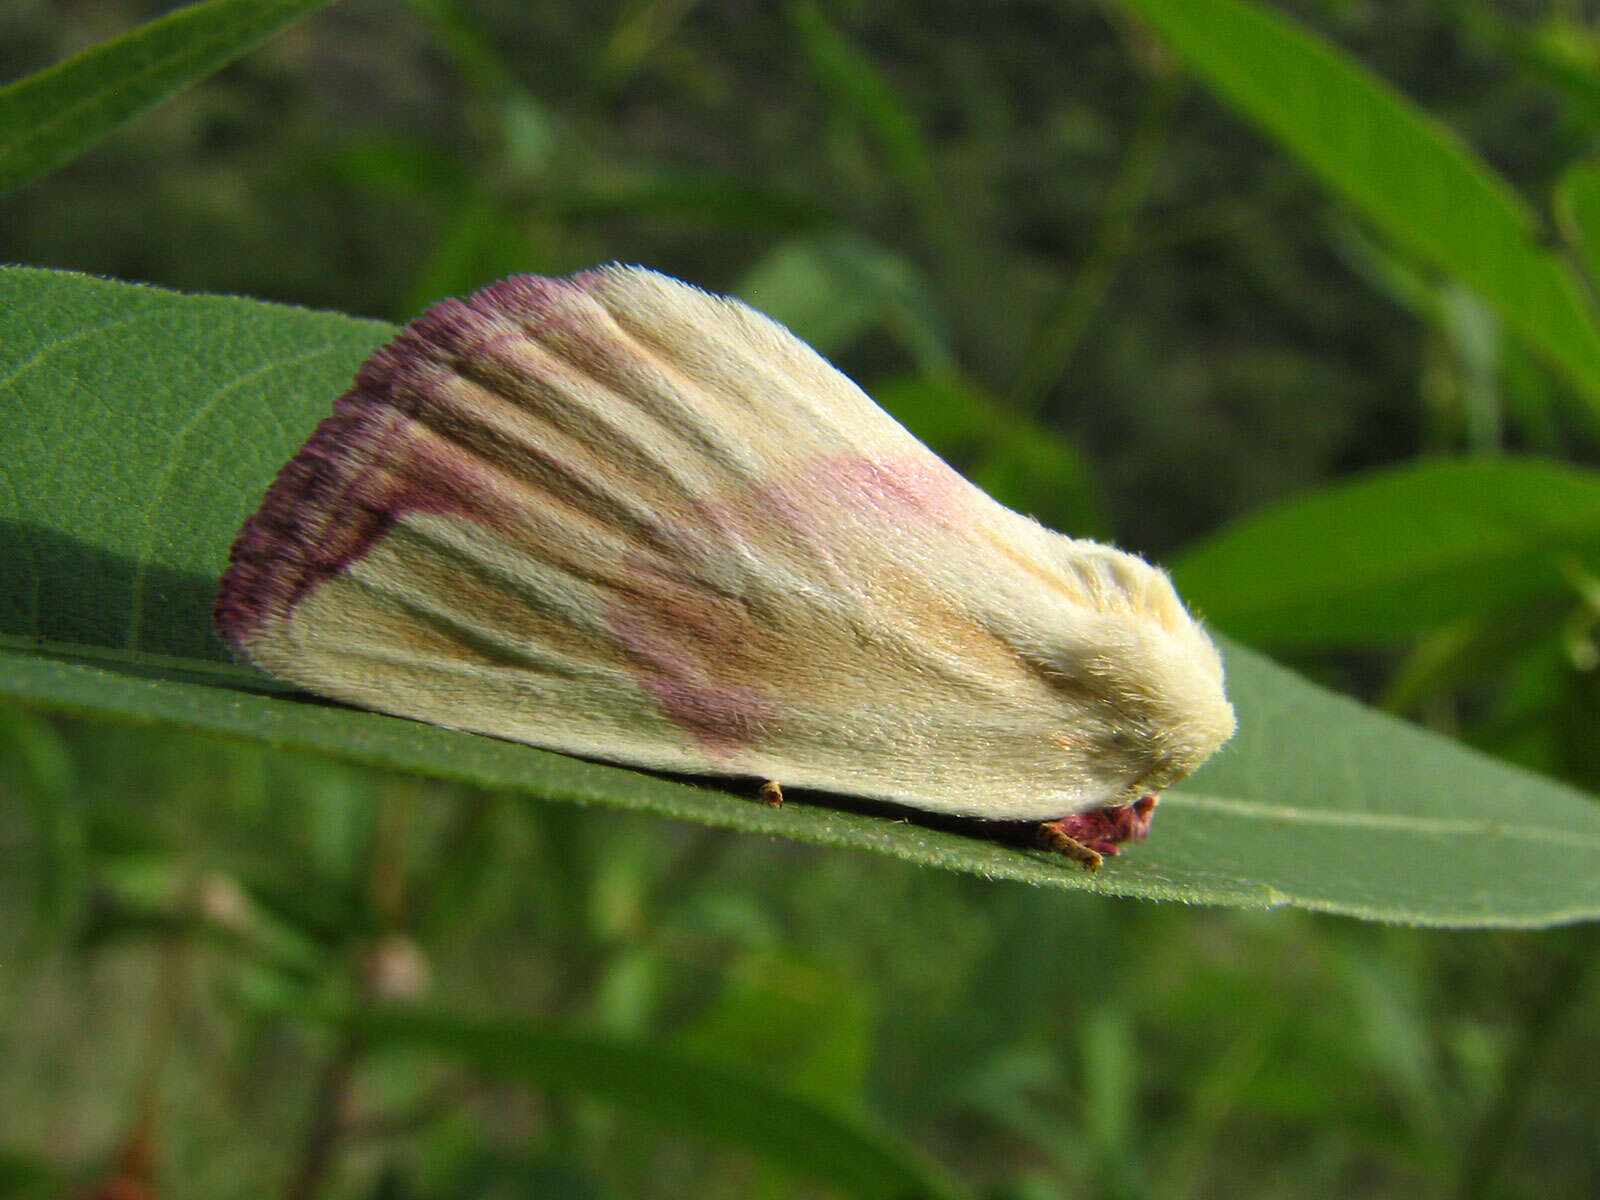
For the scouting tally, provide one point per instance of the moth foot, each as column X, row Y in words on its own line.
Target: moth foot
column 1052, row 838
column 1087, row 836
column 771, row 793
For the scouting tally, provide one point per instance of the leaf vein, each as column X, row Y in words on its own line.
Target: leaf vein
column 1387, row 822
column 163, row 481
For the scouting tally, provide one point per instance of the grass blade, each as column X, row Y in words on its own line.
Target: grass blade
column 51, row 117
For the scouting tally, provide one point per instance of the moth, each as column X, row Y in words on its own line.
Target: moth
column 620, row 517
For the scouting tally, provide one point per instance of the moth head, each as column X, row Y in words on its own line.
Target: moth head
column 1138, row 682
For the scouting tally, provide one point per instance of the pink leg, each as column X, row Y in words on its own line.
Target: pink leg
column 1085, row 836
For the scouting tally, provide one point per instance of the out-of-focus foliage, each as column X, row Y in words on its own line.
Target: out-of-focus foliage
column 1083, row 274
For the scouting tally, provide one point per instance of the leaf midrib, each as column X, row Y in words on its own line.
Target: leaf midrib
column 1381, row 821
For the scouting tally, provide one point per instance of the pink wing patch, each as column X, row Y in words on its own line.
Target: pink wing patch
column 713, row 667
column 687, row 647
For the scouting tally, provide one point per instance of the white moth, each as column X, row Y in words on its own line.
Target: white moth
column 616, row 516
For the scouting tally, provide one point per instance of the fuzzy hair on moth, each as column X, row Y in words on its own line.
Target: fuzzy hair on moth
column 620, row 517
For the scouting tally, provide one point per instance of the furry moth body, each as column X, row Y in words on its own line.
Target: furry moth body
column 620, row 517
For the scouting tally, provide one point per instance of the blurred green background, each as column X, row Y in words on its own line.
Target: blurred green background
column 1087, row 283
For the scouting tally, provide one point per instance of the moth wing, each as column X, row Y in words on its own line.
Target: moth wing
column 620, row 517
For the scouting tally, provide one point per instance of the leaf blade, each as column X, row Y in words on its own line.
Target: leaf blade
column 1396, row 552
column 50, row 117
column 166, row 416
column 1577, row 205
column 1265, row 824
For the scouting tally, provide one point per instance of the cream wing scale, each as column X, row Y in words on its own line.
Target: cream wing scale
column 617, row 516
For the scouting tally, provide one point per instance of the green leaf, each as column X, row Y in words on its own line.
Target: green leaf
column 1577, row 204
column 51, row 117
column 1396, row 553
column 809, row 1138
column 1317, row 802
column 143, row 426
column 1405, row 171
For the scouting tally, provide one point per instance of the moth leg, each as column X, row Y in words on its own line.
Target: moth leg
column 1051, row 837
column 771, row 793
column 1084, row 837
